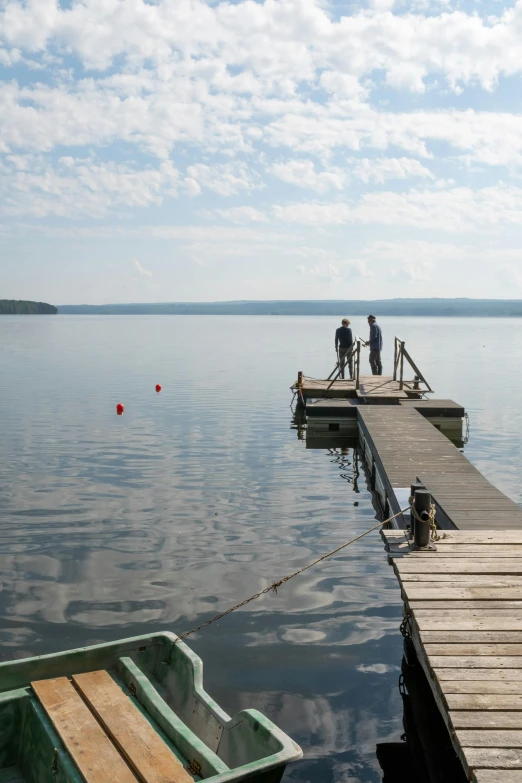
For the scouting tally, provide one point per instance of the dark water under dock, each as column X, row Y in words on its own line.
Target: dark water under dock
column 111, row 526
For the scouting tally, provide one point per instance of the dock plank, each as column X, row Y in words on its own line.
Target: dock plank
column 458, row 674
column 490, row 738
column 496, row 776
column 472, row 565
column 494, row 758
column 451, row 637
column 474, row 648
column 458, row 591
column 476, row 661
column 489, row 701
column 471, row 604
column 482, row 686
column 480, row 719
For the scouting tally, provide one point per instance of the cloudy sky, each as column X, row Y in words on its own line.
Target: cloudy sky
column 170, row 150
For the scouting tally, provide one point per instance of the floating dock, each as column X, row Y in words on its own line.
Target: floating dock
column 463, row 597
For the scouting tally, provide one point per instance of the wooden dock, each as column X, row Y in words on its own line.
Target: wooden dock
column 374, row 386
column 463, row 600
column 463, row 612
column 402, row 447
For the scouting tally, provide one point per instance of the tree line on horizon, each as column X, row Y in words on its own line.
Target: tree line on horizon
column 340, row 308
column 23, row 307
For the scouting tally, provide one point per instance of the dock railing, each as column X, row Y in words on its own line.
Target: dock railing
column 401, row 354
column 355, row 354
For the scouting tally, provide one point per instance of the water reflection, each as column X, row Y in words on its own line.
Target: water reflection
column 425, row 753
column 196, row 498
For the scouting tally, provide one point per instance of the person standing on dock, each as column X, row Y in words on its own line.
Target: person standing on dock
column 375, row 343
column 343, row 346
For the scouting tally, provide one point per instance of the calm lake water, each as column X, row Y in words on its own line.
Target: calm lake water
column 197, row 497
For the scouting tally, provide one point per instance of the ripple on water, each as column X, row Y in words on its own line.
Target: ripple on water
column 200, row 496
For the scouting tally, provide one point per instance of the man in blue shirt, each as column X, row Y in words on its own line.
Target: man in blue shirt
column 375, row 343
column 343, row 346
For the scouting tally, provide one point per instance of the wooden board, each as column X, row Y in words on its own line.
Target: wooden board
column 514, row 553
column 497, row 776
column 460, row 592
column 476, row 662
column 489, row 701
column 473, row 648
column 502, row 606
column 490, row 738
column 478, row 719
column 485, row 580
column 136, row 739
column 469, row 565
column 87, row 743
column 457, row 674
column 482, row 686
column 450, row 637
column 494, row 758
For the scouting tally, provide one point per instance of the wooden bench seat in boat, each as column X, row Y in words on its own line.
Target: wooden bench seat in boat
column 104, row 732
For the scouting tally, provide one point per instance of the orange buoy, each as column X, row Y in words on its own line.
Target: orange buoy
column 120, row 408
column 158, row 387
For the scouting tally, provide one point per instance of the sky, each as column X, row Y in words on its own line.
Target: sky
column 182, row 150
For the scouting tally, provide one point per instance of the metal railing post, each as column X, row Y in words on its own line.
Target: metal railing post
column 401, row 382
column 395, row 361
column 358, row 364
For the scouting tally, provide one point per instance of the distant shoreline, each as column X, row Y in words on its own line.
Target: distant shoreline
column 487, row 308
column 26, row 307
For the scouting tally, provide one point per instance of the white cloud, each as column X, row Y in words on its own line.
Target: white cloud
column 120, row 106
column 278, row 43
column 338, row 271
column 452, row 209
column 226, row 179
column 381, row 169
column 77, row 187
column 243, row 74
column 241, row 215
column 142, row 271
column 415, row 270
column 303, row 174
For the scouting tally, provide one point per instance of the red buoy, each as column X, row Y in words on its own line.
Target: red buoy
column 120, row 408
column 158, row 387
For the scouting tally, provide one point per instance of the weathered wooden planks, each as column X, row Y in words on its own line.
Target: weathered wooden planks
column 462, row 565
column 406, row 447
column 474, row 648
column 477, row 637
column 491, row 738
column 497, row 776
column 88, row 744
column 464, row 604
column 477, row 719
column 145, row 751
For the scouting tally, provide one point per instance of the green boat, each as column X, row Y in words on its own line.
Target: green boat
column 125, row 711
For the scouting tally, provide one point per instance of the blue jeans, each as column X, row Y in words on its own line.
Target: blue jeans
column 344, row 361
